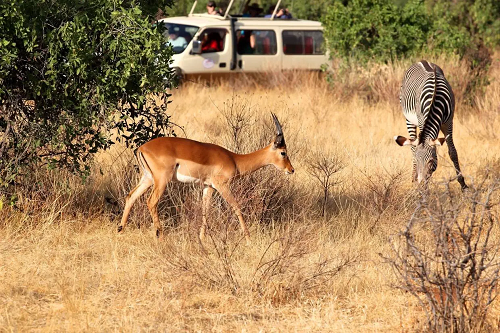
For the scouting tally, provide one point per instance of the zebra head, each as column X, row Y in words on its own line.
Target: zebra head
column 425, row 155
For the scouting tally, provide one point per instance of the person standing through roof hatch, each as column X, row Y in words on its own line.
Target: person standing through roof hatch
column 211, row 8
column 281, row 13
column 252, row 10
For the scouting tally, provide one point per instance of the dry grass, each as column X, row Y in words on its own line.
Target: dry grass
column 63, row 267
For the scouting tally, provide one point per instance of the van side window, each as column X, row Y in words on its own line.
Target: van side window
column 213, row 40
column 256, row 42
column 302, row 42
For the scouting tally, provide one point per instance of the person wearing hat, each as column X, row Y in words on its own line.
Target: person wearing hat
column 175, row 40
column 211, row 8
column 252, row 10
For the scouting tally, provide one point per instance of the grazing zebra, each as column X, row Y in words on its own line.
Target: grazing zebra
column 428, row 102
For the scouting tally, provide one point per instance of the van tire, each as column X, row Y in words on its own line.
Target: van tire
column 178, row 76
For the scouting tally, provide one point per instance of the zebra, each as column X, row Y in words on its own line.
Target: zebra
column 428, row 102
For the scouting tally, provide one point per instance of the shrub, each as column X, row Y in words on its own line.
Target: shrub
column 72, row 75
column 446, row 257
column 375, row 30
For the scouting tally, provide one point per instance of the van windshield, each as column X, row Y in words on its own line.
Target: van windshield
column 179, row 35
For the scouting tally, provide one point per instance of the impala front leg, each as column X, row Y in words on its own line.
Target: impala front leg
column 225, row 192
column 207, row 195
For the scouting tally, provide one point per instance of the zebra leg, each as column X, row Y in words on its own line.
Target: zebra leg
column 412, row 131
column 452, row 151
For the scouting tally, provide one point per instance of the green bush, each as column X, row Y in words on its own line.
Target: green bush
column 76, row 76
column 309, row 10
column 462, row 24
column 377, row 30
column 469, row 28
column 381, row 31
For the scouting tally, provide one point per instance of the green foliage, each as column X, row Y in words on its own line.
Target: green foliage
column 486, row 15
column 381, row 30
column 468, row 28
column 75, row 77
column 462, row 24
column 375, row 29
column 309, row 10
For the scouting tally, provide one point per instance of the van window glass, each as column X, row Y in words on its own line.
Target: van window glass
column 302, row 42
column 213, row 40
column 256, row 42
column 179, row 36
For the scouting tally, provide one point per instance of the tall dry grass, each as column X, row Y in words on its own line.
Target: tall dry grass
column 63, row 267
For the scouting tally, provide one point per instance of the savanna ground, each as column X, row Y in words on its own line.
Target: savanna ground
column 63, row 267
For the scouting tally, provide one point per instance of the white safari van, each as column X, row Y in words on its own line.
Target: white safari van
column 210, row 44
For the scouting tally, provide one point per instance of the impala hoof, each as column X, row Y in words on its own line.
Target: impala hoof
column 120, row 228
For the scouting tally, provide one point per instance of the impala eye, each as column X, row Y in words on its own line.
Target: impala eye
column 283, row 154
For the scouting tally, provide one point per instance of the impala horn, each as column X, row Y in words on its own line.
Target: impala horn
column 279, row 141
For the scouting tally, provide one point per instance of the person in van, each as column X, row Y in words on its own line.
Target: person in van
column 211, row 8
column 282, row 13
column 252, row 10
column 212, row 42
column 246, row 42
column 175, row 40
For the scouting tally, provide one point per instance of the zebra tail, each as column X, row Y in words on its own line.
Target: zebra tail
column 435, row 88
column 421, row 134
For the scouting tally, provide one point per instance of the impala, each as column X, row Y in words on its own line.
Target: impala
column 168, row 158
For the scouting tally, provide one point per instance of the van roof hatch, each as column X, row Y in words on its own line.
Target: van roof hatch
column 226, row 14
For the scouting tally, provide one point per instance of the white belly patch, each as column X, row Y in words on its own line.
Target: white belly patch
column 184, row 178
column 183, row 175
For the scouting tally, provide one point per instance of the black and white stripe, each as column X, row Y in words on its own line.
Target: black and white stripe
column 428, row 103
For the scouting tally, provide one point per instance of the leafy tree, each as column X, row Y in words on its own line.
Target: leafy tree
column 460, row 24
column 375, row 29
column 381, row 30
column 76, row 76
column 469, row 28
column 309, row 10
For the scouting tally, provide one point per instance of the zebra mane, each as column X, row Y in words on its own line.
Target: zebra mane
column 421, row 134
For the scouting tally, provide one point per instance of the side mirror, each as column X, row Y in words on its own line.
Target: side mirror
column 196, row 47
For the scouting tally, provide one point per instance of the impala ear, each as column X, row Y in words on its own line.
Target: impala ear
column 438, row 142
column 279, row 141
column 402, row 141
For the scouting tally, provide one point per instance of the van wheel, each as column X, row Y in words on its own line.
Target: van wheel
column 178, row 77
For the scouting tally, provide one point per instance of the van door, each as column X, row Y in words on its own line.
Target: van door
column 215, row 56
column 257, row 49
column 303, row 49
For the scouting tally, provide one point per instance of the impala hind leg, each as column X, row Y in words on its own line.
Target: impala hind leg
column 143, row 185
column 207, row 196
column 225, row 192
column 158, row 189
